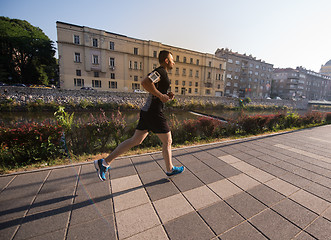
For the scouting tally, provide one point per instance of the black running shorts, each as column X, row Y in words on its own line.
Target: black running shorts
column 154, row 122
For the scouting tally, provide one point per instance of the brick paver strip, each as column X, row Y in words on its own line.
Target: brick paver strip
column 310, row 201
column 321, row 229
column 201, row 197
column 274, row 226
column 281, row 186
column 136, row 220
column 156, row 233
column 244, row 182
column 172, row 207
column 224, row 188
column 243, row 231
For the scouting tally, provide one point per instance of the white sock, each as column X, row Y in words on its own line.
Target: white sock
column 104, row 163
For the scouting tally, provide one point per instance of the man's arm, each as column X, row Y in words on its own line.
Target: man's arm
column 150, row 87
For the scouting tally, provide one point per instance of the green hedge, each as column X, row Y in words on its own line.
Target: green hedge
column 30, row 143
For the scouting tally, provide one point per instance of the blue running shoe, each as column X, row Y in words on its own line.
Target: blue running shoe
column 176, row 170
column 102, row 170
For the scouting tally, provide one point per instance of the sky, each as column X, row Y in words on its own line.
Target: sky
column 285, row 33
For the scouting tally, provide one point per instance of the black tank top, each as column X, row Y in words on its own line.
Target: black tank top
column 154, row 103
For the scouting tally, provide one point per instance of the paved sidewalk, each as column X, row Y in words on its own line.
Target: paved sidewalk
column 272, row 187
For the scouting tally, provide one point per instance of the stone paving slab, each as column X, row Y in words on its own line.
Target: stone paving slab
column 270, row 187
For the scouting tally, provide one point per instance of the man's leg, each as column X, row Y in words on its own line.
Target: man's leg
column 166, row 140
column 102, row 165
column 135, row 140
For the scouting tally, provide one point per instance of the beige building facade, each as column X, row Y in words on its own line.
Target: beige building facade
column 112, row 62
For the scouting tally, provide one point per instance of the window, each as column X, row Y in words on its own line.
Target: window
column 184, row 72
column 77, row 57
column 198, row 61
column 196, row 90
column 135, row 78
column 191, row 60
column 95, row 59
column 96, row 74
column 191, row 73
column 238, row 62
column 177, row 58
column 95, row 42
column 176, row 89
column 235, row 84
column 112, row 84
column 209, row 64
column 176, row 82
column 96, row 83
column 135, row 51
column 196, row 84
column 220, row 66
column 78, row 72
column 190, row 83
column 135, row 65
column 230, row 60
column 76, row 39
column 190, row 90
column 111, row 62
column 184, row 60
column 112, row 76
column 154, row 66
column 197, row 73
column 228, row 84
column 209, row 75
column 183, row 83
column 141, row 66
column 78, row 82
column 177, row 71
column 130, row 64
column 207, row 91
column 154, row 54
column 135, row 86
column 111, row 45
column 229, row 76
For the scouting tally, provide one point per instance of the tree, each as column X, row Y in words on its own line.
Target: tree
column 27, row 54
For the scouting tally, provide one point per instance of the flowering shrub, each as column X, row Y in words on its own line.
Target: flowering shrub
column 29, row 143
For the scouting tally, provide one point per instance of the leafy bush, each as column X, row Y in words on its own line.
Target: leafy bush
column 29, row 143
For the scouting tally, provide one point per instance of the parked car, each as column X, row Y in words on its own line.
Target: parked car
column 19, row 85
column 139, row 91
column 87, row 88
column 278, row 98
column 3, row 84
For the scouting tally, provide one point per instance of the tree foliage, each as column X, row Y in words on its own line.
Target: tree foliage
column 27, row 54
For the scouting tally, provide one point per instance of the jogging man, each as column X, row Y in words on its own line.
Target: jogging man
column 151, row 118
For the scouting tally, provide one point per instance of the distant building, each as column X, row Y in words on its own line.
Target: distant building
column 112, row 62
column 245, row 75
column 326, row 69
column 299, row 83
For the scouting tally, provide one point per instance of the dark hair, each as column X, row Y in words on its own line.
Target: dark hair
column 163, row 55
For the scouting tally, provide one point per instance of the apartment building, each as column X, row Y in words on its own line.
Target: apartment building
column 298, row 83
column 245, row 75
column 108, row 61
column 326, row 69
column 318, row 85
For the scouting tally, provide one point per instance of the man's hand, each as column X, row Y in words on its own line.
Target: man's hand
column 170, row 95
column 164, row 98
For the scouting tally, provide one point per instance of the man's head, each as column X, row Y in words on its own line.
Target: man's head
column 166, row 59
